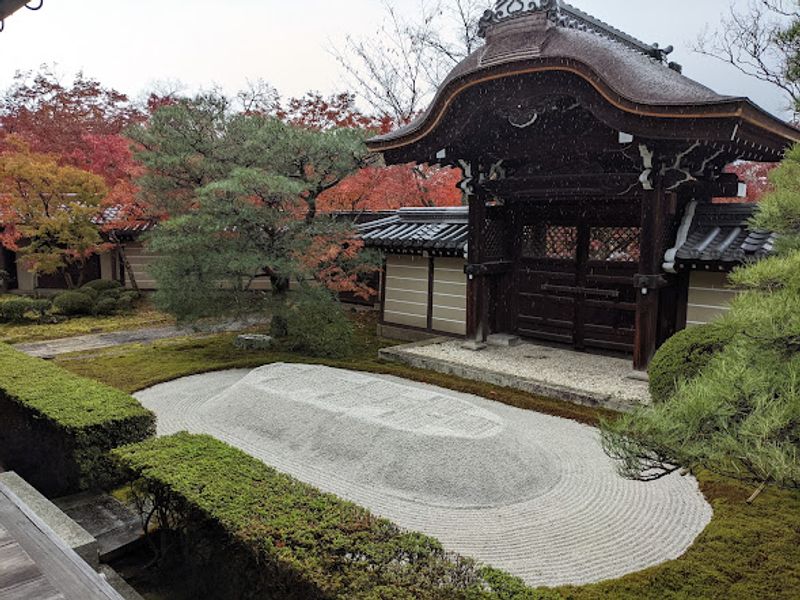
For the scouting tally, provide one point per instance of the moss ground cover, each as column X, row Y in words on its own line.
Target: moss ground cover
column 748, row 551
column 19, row 333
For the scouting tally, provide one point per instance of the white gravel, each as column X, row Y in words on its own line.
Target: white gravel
column 519, row 490
column 604, row 377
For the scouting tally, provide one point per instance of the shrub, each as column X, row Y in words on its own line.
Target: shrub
column 57, row 427
column 91, row 292
column 115, row 294
column 316, row 325
column 75, row 303
column 684, row 356
column 20, row 309
column 102, row 285
column 107, row 306
column 267, row 535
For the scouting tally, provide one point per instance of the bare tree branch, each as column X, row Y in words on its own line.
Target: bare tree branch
column 762, row 41
column 398, row 70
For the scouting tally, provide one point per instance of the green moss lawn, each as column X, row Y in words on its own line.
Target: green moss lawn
column 747, row 552
column 144, row 316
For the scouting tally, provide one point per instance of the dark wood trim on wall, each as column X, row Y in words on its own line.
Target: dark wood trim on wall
column 433, row 332
column 430, row 292
column 682, row 311
column 383, row 288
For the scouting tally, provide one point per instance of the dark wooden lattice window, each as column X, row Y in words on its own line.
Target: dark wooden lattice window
column 614, row 244
column 550, row 241
column 494, row 239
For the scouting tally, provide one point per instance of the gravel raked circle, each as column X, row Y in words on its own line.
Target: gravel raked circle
column 522, row 491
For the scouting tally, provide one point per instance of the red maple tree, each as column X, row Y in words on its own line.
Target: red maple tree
column 82, row 123
column 396, row 186
column 755, row 175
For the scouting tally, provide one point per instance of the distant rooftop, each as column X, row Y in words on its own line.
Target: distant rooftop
column 443, row 231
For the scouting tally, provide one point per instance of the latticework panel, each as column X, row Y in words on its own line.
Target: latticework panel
column 495, row 242
column 550, row 241
column 615, row 244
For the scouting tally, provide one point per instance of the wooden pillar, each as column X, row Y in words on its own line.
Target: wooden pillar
column 654, row 226
column 477, row 284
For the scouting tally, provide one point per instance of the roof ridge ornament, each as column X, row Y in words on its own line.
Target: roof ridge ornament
column 565, row 15
column 508, row 9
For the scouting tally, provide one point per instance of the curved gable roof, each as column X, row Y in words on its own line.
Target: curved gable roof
column 630, row 80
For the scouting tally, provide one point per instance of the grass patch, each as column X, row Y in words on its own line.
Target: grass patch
column 20, row 333
column 135, row 367
column 746, row 552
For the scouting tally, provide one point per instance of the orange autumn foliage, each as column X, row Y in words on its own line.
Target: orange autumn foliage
column 397, row 186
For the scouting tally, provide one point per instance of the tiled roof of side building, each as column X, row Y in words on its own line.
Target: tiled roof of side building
column 718, row 236
column 443, row 231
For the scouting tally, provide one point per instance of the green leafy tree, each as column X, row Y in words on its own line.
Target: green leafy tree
column 47, row 210
column 740, row 416
column 241, row 191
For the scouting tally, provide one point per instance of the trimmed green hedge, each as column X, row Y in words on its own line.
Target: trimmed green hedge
column 21, row 309
column 57, row 428
column 266, row 535
column 683, row 356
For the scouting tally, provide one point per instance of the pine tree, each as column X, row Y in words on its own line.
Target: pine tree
column 740, row 417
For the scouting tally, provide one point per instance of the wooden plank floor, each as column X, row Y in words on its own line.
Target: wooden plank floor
column 20, row 578
column 36, row 565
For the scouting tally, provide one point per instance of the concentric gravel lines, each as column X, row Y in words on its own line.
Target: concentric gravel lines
column 577, row 523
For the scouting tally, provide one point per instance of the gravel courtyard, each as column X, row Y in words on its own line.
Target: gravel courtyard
column 522, row 491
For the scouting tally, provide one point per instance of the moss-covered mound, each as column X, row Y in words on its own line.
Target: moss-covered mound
column 283, row 538
column 683, row 356
column 57, row 427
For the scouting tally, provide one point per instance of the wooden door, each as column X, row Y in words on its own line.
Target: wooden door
column 574, row 282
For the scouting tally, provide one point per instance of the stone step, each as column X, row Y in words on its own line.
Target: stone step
column 503, row 340
column 114, row 525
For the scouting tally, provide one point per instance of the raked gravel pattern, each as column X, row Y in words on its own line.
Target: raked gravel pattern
column 526, row 492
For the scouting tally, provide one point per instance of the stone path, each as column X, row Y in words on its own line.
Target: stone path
column 522, row 491
column 52, row 348
column 578, row 377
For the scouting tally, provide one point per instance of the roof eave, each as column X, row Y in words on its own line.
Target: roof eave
column 732, row 108
column 9, row 7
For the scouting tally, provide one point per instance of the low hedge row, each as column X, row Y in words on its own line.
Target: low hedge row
column 56, row 428
column 252, row 532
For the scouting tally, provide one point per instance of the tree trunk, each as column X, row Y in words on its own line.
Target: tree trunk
column 125, row 263
column 311, row 213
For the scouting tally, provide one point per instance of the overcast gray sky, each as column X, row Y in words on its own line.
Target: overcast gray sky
column 130, row 44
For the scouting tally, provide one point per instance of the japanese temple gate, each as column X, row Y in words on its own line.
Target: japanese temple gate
column 581, row 149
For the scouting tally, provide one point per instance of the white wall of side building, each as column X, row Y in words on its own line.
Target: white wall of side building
column 406, row 301
column 140, row 260
column 710, row 295
column 449, row 296
column 410, row 302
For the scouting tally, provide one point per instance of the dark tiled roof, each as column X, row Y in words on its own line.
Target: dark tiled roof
column 114, row 213
column 414, row 230
column 720, row 235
